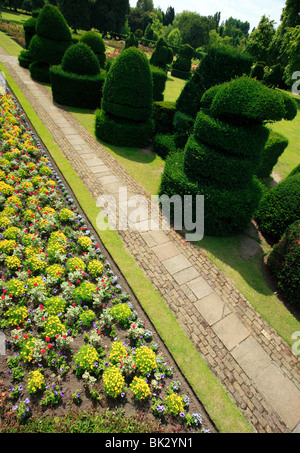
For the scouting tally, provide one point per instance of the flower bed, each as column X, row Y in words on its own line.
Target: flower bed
column 70, row 329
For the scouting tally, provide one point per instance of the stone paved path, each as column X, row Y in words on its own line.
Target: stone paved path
column 254, row 364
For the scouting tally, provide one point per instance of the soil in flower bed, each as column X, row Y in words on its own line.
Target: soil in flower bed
column 72, row 308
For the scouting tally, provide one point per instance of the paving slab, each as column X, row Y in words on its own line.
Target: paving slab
column 2, row 344
column 176, row 264
column 231, row 331
column 251, row 356
column 281, row 394
column 165, row 251
column 211, row 307
column 200, row 287
column 185, row 275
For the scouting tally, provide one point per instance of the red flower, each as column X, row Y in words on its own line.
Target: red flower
column 43, row 351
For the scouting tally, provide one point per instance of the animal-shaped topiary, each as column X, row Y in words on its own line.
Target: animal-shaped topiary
column 48, row 45
column 221, row 156
column 96, row 43
column 162, row 55
column 126, row 107
column 182, row 66
column 78, row 81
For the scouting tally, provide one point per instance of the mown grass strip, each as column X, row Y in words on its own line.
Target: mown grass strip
column 226, row 416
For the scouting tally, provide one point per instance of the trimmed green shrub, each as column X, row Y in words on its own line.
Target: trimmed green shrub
column 29, row 27
column 162, row 55
column 221, row 156
column 96, row 43
column 48, row 45
column 80, row 59
column 163, row 115
column 159, row 79
column 246, row 98
column 207, row 164
column 78, row 81
column 220, row 64
column 225, row 211
column 127, row 92
column 182, row 66
column 127, row 101
column 290, row 105
column 274, row 147
column 274, row 77
column 183, row 127
column 40, row 71
column 279, row 208
column 284, row 263
column 248, row 141
column 163, row 145
column 121, row 132
column 258, row 71
column 131, row 41
column 24, row 59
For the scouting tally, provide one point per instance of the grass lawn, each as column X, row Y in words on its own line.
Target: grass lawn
column 15, row 16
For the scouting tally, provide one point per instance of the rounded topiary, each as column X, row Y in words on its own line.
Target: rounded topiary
column 258, row 71
column 78, row 81
column 80, row 59
column 279, row 208
column 24, row 59
column 127, row 99
column 221, row 156
column 159, row 79
column 182, row 65
column 131, row 41
column 52, row 39
column 284, row 263
column 96, row 43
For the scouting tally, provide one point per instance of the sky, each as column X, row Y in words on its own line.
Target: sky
column 245, row 10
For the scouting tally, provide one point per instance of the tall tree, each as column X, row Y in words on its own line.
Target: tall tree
column 260, row 39
column 194, row 28
column 145, row 5
column 76, row 13
column 109, row 15
column 169, row 16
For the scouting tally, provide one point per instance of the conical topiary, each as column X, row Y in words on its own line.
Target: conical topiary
column 96, row 43
column 221, row 156
column 48, row 45
column 182, row 66
column 78, row 81
column 126, row 108
column 162, row 55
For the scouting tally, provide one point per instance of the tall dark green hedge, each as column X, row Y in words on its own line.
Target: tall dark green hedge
column 127, row 101
column 221, row 156
column 52, row 39
column 162, row 55
column 78, row 81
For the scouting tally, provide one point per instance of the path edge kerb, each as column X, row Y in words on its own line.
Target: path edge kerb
column 223, row 412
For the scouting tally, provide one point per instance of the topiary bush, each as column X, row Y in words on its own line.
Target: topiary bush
column 220, row 64
column 29, row 27
column 279, row 208
column 78, row 81
column 162, row 55
column 221, row 156
column 258, row 71
column 284, row 263
column 24, row 59
column 96, row 43
column 131, row 41
column 48, row 45
column 163, row 116
column 163, row 145
column 126, row 107
column 159, row 79
column 182, row 66
column 275, row 146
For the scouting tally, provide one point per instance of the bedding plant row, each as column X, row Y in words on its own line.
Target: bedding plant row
column 62, row 309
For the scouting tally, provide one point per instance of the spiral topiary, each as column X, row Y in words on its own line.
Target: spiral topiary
column 221, row 156
column 48, row 45
column 162, row 55
column 126, row 107
column 78, row 81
